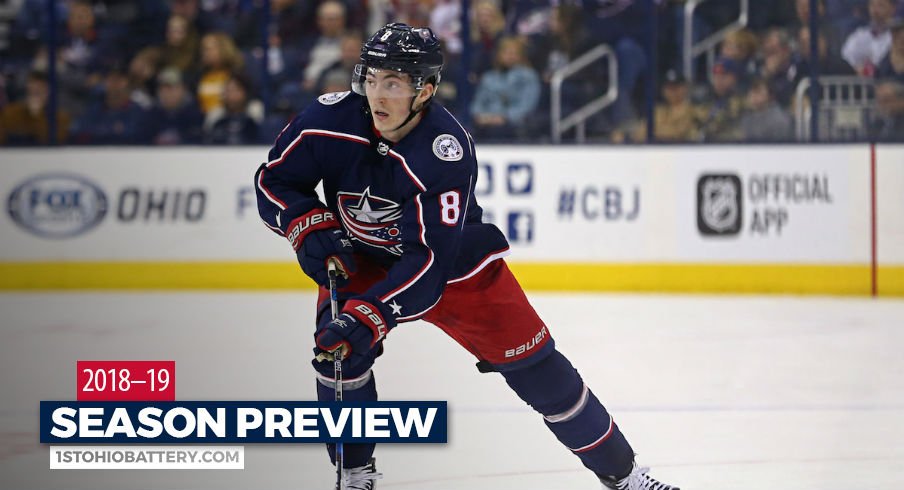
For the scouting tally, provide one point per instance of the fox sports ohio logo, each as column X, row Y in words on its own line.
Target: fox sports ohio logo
column 57, row 205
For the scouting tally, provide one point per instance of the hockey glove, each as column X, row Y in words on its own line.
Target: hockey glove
column 316, row 237
column 358, row 330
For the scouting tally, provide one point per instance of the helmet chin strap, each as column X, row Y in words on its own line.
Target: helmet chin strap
column 411, row 114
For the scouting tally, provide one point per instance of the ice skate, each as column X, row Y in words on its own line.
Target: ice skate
column 638, row 479
column 360, row 478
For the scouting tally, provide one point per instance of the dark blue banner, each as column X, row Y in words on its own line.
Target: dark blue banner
column 251, row 422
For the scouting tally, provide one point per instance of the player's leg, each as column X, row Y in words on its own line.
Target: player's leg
column 490, row 316
column 573, row 413
column 358, row 384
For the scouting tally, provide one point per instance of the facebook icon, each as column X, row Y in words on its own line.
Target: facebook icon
column 521, row 227
column 520, row 178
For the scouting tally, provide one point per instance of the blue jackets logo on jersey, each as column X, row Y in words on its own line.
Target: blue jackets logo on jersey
column 372, row 220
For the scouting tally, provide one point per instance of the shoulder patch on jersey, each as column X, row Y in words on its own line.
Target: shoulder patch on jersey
column 446, row 147
column 332, row 97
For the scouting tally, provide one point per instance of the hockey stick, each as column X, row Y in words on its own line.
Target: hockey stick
column 337, row 362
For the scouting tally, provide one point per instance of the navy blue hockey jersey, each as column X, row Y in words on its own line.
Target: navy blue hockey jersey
column 407, row 206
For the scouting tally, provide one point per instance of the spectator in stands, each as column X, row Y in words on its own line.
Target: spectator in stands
column 829, row 63
column 507, row 95
column 764, row 120
column 892, row 66
column 289, row 96
column 487, row 28
column 552, row 48
column 445, row 22
column 708, row 17
column 676, row 118
column 287, row 22
column 335, row 81
column 561, row 42
column 889, row 122
column 176, row 118
column 25, row 122
column 741, row 46
column 180, row 49
column 191, row 11
column 828, row 25
column 238, row 121
column 847, row 15
column 4, row 98
column 324, row 49
column 220, row 58
column 30, row 26
column 379, row 13
column 412, row 12
column 345, row 65
column 723, row 106
column 143, row 71
column 357, row 18
column 115, row 119
column 530, row 17
column 764, row 14
column 866, row 46
column 281, row 66
column 290, row 93
column 133, row 24
column 223, row 15
column 83, row 54
column 627, row 33
column 80, row 45
column 777, row 65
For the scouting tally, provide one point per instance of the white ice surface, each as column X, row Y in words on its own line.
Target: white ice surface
column 713, row 392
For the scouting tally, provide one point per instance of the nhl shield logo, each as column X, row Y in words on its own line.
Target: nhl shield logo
column 719, row 204
column 332, row 97
column 447, row 148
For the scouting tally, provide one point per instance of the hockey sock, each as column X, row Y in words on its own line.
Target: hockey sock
column 362, row 388
column 573, row 413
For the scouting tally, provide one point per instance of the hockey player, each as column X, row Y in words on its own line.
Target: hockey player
column 398, row 174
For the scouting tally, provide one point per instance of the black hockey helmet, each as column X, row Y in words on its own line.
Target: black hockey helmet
column 400, row 47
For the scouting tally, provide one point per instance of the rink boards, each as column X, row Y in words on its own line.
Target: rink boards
column 799, row 219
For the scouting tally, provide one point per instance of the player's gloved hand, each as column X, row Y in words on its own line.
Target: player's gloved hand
column 358, row 330
column 316, row 237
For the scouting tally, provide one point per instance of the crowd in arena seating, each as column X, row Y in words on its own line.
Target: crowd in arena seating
column 168, row 72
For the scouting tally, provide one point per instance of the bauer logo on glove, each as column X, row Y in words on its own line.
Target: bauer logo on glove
column 318, row 219
column 318, row 238
column 377, row 323
column 358, row 330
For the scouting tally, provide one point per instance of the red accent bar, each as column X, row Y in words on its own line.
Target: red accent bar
column 125, row 381
column 874, row 267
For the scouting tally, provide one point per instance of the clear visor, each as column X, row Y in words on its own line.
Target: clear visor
column 378, row 82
